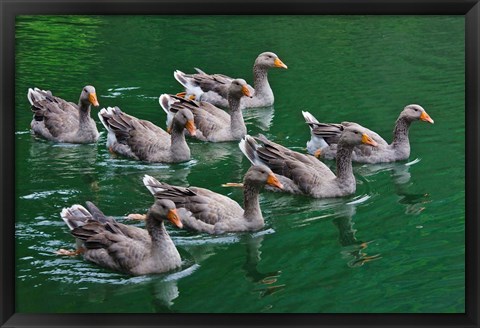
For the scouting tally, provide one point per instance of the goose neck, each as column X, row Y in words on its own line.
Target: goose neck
column 251, row 203
column 400, row 132
column 260, row 79
column 344, row 163
column 237, row 124
column 84, row 112
column 179, row 147
column 157, row 232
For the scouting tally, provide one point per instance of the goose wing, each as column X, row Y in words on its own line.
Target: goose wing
column 203, row 204
column 57, row 115
column 142, row 138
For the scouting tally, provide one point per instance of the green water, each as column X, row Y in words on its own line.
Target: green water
column 397, row 245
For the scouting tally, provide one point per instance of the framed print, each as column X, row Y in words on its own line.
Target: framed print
column 292, row 164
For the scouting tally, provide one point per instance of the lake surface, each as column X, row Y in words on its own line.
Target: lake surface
column 396, row 245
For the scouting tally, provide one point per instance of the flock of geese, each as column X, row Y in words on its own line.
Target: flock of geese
column 199, row 113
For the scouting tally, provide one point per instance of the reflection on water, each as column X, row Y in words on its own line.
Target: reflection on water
column 259, row 118
column 205, row 154
column 266, row 283
column 354, row 250
column 163, row 288
column 54, row 170
column 117, row 92
column 62, row 156
column 414, row 202
column 400, row 177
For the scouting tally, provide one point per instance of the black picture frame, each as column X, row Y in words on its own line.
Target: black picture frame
column 10, row 8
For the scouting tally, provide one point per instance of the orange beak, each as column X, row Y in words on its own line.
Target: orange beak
column 279, row 63
column 245, row 91
column 93, row 99
column 173, row 217
column 181, row 94
column 272, row 180
column 425, row 117
column 190, row 126
column 369, row 141
column 169, row 129
column 317, row 153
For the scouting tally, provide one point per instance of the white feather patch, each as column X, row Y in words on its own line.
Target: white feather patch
column 152, row 184
column 243, row 147
column 309, row 118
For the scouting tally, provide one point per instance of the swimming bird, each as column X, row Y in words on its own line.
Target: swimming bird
column 58, row 120
column 325, row 136
column 213, row 124
column 305, row 174
column 120, row 247
column 203, row 210
column 142, row 140
column 213, row 88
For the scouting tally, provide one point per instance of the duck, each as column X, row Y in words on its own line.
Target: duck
column 123, row 248
column 142, row 140
column 203, row 210
column 58, row 120
column 324, row 138
column 213, row 88
column 305, row 174
column 213, row 123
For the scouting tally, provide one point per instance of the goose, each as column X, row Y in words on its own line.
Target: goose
column 324, row 138
column 124, row 248
column 305, row 174
column 214, row 88
column 143, row 140
column 213, row 124
column 203, row 210
column 61, row 121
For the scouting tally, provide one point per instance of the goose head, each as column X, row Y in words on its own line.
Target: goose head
column 88, row 96
column 268, row 60
column 415, row 112
column 165, row 209
column 239, row 88
column 184, row 119
column 354, row 135
column 260, row 175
